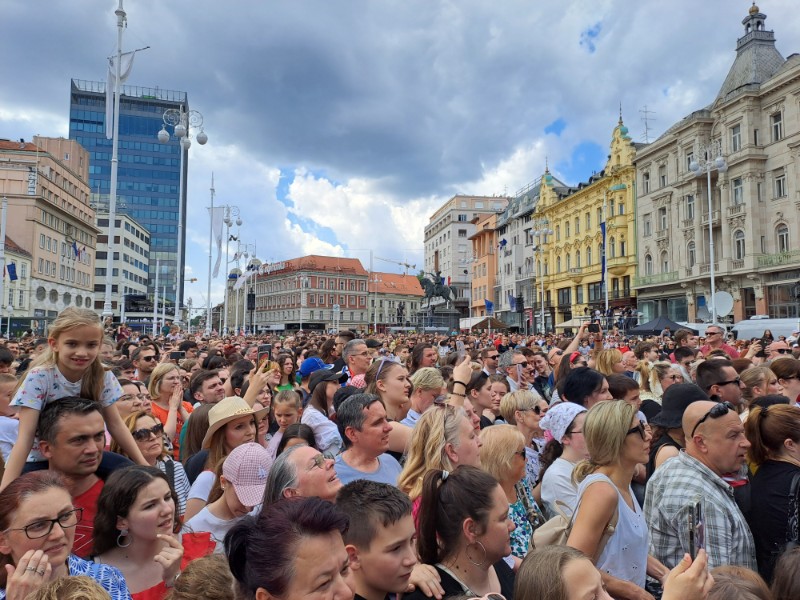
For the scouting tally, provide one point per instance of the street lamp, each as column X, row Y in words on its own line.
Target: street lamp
column 705, row 164
column 541, row 232
column 182, row 122
column 231, row 217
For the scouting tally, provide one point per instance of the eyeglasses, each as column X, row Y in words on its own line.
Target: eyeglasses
column 147, row 358
column 536, row 409
column 318, row 461
column 783, row 351
column 674, row 377
column 520, row 453
column 640, row 429
column 141, row 435
column 713, row 333
column 718, row 410
column 40, row 529
column 737, row 381
column 493, row 356
column 523, row 364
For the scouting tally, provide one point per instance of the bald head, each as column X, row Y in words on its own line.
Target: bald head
column 694, row 412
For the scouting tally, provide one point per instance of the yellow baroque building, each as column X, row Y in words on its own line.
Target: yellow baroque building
column 571, row 253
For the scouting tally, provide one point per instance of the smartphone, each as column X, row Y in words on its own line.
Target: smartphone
column 460, row 350
column 594, row 328
column 264, row 350
column 697, row 533
column 763, row 352
column 177, row 355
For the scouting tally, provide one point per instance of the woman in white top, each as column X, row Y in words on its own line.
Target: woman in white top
column 319, row 410
column 617, row 442
column 563, row 425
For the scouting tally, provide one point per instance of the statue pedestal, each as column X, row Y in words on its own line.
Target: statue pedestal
column 439, row 318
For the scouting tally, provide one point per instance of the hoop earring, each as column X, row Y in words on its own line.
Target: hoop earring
column 123, row 534
column 482, row 547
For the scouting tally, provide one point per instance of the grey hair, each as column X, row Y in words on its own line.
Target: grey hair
column 282, row 475
column 350, row 347
column 351, row 414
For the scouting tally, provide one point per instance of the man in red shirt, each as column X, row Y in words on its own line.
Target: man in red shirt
column 715, row 341
column 72, row 435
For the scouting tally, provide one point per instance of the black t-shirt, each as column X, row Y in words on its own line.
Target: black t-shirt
column 664, row 440
column 769, row 514
column 452, row 587
column 195, row 464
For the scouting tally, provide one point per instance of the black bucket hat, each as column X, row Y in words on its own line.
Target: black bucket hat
column 674, row 402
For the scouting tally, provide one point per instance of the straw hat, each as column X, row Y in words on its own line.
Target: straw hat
column 227, row 410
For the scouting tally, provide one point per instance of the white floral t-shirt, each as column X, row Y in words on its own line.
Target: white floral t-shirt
column 44, row 385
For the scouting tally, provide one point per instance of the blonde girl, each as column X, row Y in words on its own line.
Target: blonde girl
column 287, row 408
column 69, row 366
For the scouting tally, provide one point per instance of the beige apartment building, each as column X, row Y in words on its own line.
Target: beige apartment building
column 49, row 216
column 755, row 122
column 484, row 264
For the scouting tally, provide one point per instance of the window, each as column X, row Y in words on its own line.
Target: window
column 776, row 120
column 462, row 218
column 577, row 225
column 664, row 262
column 23, row 270
column 738, row 191
column 558, row 233
column 738, row 244
column 648, row 226
column 566, row 229
column 569, row 262
column 558, row 264
column 691, row 254
column 622, row 248
column 41, row 240
column 588, row 221
column 780, row 183
column 662, row 218
column 612, row 248
column 462, row 233
column 579, row 294
column 646, row 182
column 648, row 264
column 589, row 256
column 736, row 138
column 690, row 207
column 599, row 216
column 782, row 233
column 578, row 259
column 662, row 176
column 755, row 137
column 621, row 208
column 689, row 160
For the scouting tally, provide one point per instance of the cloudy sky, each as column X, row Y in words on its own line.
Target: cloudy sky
column 339, row 127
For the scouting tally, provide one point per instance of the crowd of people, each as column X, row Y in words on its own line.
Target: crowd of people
column 340, row 466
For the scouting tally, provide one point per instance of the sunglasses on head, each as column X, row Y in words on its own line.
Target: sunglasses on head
column 718, row 410
column 140, row 435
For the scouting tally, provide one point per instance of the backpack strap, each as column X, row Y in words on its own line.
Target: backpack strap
column 170, row 468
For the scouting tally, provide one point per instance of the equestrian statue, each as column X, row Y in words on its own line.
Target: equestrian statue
column 434, row 288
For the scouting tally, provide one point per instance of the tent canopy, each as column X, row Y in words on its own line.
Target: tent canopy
column 657, row 325
column 490, row 323
column 572, row 323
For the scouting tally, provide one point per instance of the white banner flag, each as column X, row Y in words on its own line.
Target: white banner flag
column 243, row 278
column 217, row 219
column 126, row 64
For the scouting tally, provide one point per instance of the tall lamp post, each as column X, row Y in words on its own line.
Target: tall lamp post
column 705, row 164
column 231, row 217
column 541, row 232
column 182, row 122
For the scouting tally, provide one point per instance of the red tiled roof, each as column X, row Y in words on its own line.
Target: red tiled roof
column 19, row 146
column 329, row 264
column 14, row 247
column 397, row 283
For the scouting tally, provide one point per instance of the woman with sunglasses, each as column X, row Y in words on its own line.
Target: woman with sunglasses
column 133, row 399
column 788, row 372
column 654, row 380
column 524, row 409
column 37, row 531
column 149, row 436
column 617, row 442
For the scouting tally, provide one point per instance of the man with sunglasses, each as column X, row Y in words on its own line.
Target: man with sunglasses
column 715, row 340
column 489, row 359
column 715, row 445
column 518, row 371
column 778, row 349
column 145, row 359
column 720, row 381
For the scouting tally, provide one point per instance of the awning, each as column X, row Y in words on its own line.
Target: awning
column 572, row 323
column 490, row 323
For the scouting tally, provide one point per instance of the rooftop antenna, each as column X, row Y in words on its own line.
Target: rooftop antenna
column 646, row 120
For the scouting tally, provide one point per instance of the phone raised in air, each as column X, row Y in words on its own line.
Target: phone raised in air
column 264, row 350
column 594, row 328
column 697, row 533
column 177, row 355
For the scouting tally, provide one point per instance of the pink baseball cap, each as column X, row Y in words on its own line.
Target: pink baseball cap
column 246, row 468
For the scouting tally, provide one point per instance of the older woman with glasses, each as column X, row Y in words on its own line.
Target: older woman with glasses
column 37, row 532
column 617, row 442
column 524, row 409
column 133, row 399
column 149, row 436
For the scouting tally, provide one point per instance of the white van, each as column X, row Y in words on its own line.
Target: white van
column 754, row 327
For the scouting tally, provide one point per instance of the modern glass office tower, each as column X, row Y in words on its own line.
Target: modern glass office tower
column 149, row 172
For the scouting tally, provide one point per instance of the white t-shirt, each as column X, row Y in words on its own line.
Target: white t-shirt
column 9, row 431
column 326, row 433
column 43, row 385
column 201, row 488
column 557, row 485
column 204, row 521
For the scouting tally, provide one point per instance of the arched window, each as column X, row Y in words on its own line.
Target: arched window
column 691, row 254
column 558, row 264
column 589, row 256
column 612, row 247
column 664, row 262
column 782, row 233
column 738, row 244
column 578, row 259
column 648, row 264
column 569, row 261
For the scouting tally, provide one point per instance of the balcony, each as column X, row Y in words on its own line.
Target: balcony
column 661, row 234
column 576, row 274
column 687, row 223
column 714, row 218
column 779, row 259
column 688, row 271
column 619, row 264
column 737, row 264
column 656, row 279
column 736, row 209
column 705, row 268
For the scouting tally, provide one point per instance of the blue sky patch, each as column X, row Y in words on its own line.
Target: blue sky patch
column 556, row 126
column 589, row 37
column 586, row 158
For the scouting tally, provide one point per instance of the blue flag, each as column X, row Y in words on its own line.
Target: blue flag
column 12, row 271
column 489, row 306
column 512, row 302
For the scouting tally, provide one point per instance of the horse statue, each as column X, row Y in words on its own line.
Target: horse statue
column 434, row 288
